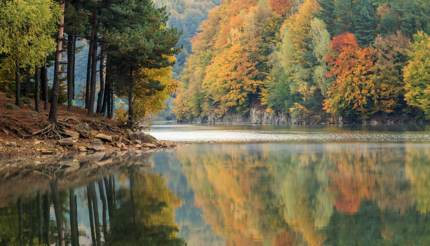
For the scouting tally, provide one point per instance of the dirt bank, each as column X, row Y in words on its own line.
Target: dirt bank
column 25, row 132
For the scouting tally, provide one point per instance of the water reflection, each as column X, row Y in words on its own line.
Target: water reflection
column 239, row 194
column 312, row 194
column 132, row 208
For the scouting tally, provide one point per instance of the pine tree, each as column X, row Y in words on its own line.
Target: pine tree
column 364, row 20
column 343, row 16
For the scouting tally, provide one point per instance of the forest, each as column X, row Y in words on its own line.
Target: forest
column 130, row 56
column 311, row 61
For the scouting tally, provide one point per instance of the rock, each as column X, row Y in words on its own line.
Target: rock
column 137, row 141
column 72, row 134
column 11, row 144
column 97, row 142
column 66, row 142
column 84, row 130
column 96, row 148
column 82, row 149
column 46, row 152
column 144, row 138
column 37, row 142
column 104, row 137
column 149, row 145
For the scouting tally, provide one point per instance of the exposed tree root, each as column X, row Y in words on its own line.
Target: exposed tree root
column 53, row 131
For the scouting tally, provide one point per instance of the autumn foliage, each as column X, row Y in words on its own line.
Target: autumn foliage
column 312, row 60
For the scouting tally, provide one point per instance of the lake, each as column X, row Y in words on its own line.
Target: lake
column 243, row 186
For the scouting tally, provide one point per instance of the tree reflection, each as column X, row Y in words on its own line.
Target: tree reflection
column 141, row 213
column 330, row 194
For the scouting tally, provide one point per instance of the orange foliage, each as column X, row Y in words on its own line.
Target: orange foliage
column 354, row 88
column 281, row 7
column 344, row 41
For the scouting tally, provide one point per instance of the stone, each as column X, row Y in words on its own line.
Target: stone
column 149, row 146
column 84, row 130
column 104, row 137
column 66, row 142
column 96, row 148
column 46, row 152
column 37, row 142
column 72, row 134
column 11, row 144
column 137, row 141
column 97, row 142
column 82, row 149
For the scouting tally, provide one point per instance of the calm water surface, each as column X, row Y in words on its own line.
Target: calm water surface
column 336, row 190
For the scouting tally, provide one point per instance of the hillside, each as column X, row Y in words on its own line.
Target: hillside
column 186, row 16
column 309, row 62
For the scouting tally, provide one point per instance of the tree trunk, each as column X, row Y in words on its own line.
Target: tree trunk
column 104, row 208
column 56, row 84
column 44, row 87
column 47, row 218
column 102, row 74
column 69, row 71
column 73, row 66
column 58, row 212
column 18, row 85
column 88, row 80
column 73, row 219
column 40, row 217
column 96, row 213
column 130, row 100
column 37, row 90
column 91, row 216
column 93, row 63
column 20, row 222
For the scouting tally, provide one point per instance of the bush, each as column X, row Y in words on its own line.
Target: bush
column 121, row 115
column 26, row 100
column 11, row 106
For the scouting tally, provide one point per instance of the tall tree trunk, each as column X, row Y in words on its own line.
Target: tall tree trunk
column 102, row 74
column 111, row 102
column 106, row 96
column 73, row 219
column 40, row 217
column 93, row 64
column 70, row 54
column 18, row 84
column 73, row 66
column 88, row 79
column 56, row 84
column 37, row 90
column 104, row 208
column 58, row 212
column 20, row 222
column 44, row 87
column 96, row 213
column 130, row 100
column 91, row 216
column 46, row 216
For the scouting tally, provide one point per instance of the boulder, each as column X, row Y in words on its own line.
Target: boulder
column 149, row 146
column 104, row 137
column 66, row 142
column 84, row 130
column 141, row 136
column 72, row 134
column 96, row 148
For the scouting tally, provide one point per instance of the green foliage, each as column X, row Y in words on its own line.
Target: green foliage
column 26, row 29
column 417, row 74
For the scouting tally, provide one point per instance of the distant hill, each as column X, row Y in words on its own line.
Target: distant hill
column 186, row 16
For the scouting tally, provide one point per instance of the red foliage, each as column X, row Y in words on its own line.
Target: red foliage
column 344, row 41
column 280, row 7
